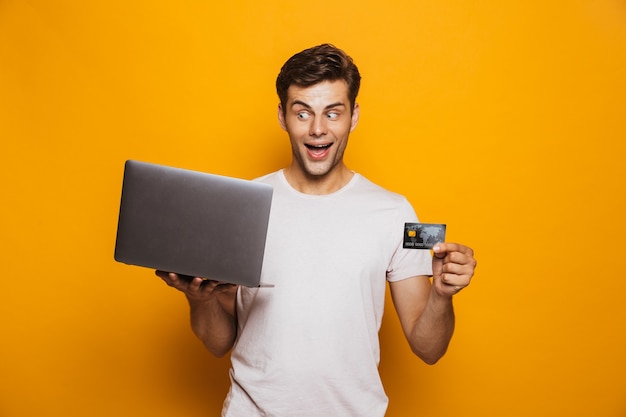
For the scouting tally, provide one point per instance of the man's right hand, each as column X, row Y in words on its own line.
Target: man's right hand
column 198, row 289
column 212, row 309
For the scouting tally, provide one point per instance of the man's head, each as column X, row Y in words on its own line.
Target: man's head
column 315, row 65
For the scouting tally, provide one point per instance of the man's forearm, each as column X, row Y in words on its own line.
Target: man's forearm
column 433, row 330
column 214, row 326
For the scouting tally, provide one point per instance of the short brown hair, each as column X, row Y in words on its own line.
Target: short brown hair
column 317, row 64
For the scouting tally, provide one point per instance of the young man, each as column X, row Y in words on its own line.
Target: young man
column 309, row 346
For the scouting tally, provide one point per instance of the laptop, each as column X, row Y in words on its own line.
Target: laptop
column 193, row 223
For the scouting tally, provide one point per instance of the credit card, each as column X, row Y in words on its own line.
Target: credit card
column 423, row 235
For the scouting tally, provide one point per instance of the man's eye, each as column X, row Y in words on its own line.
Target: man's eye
column 302, row 115
column 333, row 115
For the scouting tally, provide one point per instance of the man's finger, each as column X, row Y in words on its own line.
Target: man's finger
column 440, row 249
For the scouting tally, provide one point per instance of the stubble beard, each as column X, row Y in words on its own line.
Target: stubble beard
column 316, row 170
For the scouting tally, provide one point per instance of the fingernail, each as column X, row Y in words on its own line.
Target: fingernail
column 436, row 248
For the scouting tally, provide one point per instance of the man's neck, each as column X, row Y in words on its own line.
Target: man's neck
column 318, row 185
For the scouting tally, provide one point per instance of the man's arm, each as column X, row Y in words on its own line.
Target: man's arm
column 425, row 310
column 212, row 310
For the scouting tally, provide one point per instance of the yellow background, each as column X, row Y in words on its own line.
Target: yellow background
column 503, row 119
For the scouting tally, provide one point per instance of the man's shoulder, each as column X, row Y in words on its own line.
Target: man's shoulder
column 371, row 188
column 271, row 178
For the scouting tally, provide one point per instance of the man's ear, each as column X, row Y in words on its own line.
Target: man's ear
column 355, row 116
column 281, row 117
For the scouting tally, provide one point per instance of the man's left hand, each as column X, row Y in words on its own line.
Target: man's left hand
column 453, row 267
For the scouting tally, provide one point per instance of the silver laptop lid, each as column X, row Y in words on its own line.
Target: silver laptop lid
column 193, row 223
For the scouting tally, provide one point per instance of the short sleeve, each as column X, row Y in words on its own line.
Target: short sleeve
column 407, row 263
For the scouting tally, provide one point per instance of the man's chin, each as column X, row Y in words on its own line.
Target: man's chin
column 318, row 170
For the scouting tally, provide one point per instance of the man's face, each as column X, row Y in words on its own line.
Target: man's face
column 318, row 120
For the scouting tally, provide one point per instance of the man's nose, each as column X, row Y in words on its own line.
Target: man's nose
column 318, row 127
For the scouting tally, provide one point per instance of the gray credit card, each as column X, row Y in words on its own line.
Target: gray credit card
column 423, row 235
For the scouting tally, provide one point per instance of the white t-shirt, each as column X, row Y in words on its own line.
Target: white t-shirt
column 309, row 345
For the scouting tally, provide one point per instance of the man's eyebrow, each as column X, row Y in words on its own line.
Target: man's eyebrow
column 330, row 106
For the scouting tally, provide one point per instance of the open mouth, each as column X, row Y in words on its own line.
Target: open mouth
column 318, row 147
column 318, row 151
